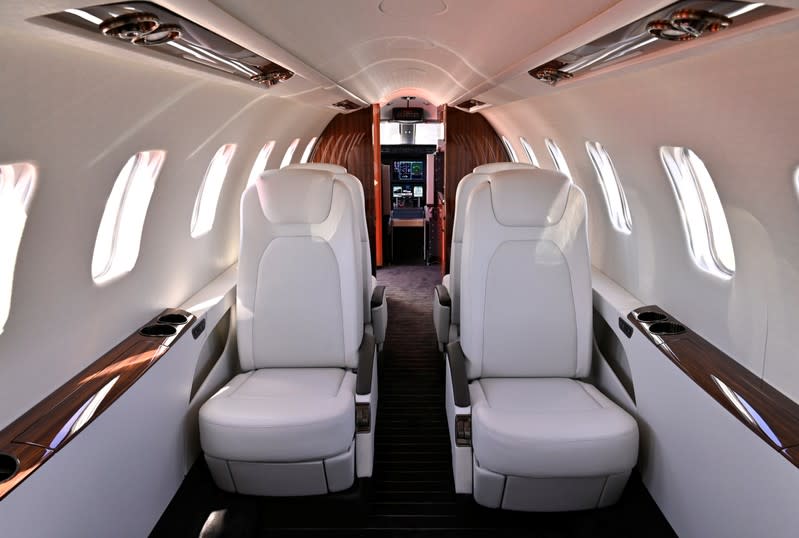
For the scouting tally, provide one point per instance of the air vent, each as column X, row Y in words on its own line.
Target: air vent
column 683, row 21
column 470, row 104
column 346, row 104
column 150, row 26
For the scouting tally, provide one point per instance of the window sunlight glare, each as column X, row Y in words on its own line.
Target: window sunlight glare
column 611, row 187
column 116, row 248
column 308, row 149
column 703, row 215
column 528, row 149
column 510, row 150
column 557, row 157
column 289, row 153
column 17, row 185
column 202, row 219
column 261, row 162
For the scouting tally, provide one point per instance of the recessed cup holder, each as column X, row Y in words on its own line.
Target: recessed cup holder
column 666, row 327
column 650, row 316
column 173, row 319
column 9, row 465
column 159, row 329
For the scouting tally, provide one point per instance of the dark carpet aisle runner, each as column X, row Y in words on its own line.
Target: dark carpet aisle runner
column 411, row 492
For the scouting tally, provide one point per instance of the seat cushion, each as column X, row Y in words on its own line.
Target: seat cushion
column 281, row 415
column 549, row 427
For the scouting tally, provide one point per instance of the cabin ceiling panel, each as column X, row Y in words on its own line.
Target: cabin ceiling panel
column 463, row 44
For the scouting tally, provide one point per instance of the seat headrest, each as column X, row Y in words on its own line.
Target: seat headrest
column 328, row 167
column 295, row 196
column 491, row 168
column 529, row 198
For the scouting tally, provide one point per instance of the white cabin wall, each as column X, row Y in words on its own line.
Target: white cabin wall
column 79, row 114
column 736, row 105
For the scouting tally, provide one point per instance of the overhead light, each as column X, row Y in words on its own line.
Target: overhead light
column 85, row 16
column 745, row 9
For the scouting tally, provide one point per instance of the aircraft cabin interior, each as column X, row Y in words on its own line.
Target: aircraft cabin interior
column 399, row 268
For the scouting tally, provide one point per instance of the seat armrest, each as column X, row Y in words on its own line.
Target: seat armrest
column 459, row 418
column 379, row 315
column 366, row 355
column 442, row 294
column 378, row 296
column 441, row 314
column 457, row 369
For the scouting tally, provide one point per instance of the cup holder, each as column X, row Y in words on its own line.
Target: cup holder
column 9, row 465
column 173, row 319
column 160, row 329
column 666, row 327
column 650, row 316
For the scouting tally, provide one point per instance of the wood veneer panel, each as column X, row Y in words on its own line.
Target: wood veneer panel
column 347, row 141
column 49, row 425
column 792, row 454
column 763, row 409
column 377, row 173
column 471, row 141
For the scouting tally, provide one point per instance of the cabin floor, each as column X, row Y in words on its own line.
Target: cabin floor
column 411, row 492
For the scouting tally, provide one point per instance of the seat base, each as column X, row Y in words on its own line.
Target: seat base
column 551, row 494
column 285, row 479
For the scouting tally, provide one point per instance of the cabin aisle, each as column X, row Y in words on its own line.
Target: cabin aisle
column 411, row 492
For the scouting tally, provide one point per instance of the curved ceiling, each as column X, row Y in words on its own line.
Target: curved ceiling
column 444, row 48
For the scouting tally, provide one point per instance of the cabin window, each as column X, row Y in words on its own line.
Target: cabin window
column 202, row 220
column 260, row 163
column 116, row 247
column 510, row 150
column 557, row 157
column 289, row 153
column 616, row 201
column 308, row 150
column 703, row 215
column 796, row 180
column 528, row 149
column 17, row 184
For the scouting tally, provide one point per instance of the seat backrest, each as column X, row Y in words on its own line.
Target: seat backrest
column 490, row 168
column 465, row 187
column 526, row 277
column 300, row 283
column 359, row 206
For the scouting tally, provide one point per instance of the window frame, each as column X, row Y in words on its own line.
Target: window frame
column 118, row 241
column 509, row 148
column 707, row 234
column 558, row 158
column 528, row 149
column 261, row 162
column 16, row 196
column 289, row 153
column 308, row 151
column 615, row 198
column 207, row 200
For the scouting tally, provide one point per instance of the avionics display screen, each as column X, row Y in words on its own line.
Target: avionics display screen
column 409, row 170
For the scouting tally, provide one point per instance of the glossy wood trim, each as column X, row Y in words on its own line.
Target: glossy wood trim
column 763, row 409
column 52, row 423
column 377, row 172
column 792, row 454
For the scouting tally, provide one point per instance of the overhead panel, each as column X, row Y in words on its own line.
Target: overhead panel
column 678, row 23
column 148, row 26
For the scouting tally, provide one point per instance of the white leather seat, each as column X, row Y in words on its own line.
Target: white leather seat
column 549, row 427
column 526, row 432
column 319, row 424
column 375, row 306
column 446, row 299
column 298, row 420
